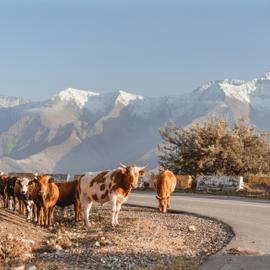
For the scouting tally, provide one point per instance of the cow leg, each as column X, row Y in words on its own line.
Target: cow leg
column 39, row 215
column 77, row 210
column 51, row 216
column 21, row 207
column 114, row 210
column 169, row 203
column 14, row 203
column 118, row 208
column 42, row 216
column 86, row 205
column 86, row 213
column 35, row 212
column 165, row 206
column 9, row 203
column 29, row 209
column 46, row 213
column 5, row 201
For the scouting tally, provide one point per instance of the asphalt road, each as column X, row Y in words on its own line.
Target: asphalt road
column 249, row 218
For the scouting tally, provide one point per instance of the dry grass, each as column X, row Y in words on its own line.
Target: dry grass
column 14, row 248
column 184, row 181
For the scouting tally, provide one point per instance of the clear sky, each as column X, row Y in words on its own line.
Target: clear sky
column 148, row 47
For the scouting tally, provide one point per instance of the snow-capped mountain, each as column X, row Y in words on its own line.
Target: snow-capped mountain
column 78, row 130
column 7, row 101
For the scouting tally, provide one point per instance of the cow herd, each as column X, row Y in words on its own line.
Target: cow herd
column 38, row 196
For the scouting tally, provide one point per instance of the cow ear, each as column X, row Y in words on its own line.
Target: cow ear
column 51, row 180
column 159, row 198
column 32, row 181
column 141, row 172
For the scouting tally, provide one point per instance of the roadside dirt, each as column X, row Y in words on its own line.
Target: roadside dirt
column 145, row 239
column 19, row 239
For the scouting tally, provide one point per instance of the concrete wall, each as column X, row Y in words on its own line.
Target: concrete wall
column 219, row 183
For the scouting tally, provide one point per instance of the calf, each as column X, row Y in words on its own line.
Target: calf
column 45, row 197
column 68, row 196
column 24, row 191
column 105, row 186
column 165, row 184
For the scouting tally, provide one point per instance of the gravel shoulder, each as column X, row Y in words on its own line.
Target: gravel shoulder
column 145, row 239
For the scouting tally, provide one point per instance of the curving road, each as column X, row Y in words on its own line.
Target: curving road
column 249, row 218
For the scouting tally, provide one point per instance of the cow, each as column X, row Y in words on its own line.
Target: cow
column 11, row 180
column 45, row 196
column 24, row 191
column 68, row 196
column 165, row 184
column 105, row 186
column 3, row 186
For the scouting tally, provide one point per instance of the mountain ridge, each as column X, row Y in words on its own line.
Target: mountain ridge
column 80, row 130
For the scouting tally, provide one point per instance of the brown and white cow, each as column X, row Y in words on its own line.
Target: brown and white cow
column 45, row 197
column 165, row 184
column 105, row 186
column 24, row 191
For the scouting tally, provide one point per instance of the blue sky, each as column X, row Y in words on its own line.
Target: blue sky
column 148, row 47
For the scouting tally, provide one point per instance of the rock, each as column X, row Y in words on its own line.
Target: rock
column 192, row 228
column 21, row 267
column 28, row 241
column 58, row 247
column 10, row 236
column 97, row 244
column 60, row 252
column 31, row 267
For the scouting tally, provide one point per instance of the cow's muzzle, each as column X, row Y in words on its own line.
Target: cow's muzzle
column 42, row 194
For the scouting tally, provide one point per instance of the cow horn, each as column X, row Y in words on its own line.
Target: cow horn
column 142, row 168
column 122, row 165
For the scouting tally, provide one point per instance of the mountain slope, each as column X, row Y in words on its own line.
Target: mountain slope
column 79, row 130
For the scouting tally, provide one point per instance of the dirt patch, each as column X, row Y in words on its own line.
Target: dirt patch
column 19, row 239
column 145, row 239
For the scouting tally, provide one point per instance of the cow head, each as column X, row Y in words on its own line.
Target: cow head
column 24, row 184
column 42, row 183
column 133, row 173
column 163, row 203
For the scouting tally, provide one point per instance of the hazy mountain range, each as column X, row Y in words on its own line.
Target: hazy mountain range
column 77, row 130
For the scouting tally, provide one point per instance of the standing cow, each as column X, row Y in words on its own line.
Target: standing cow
column 105, row 186
column 3, row 186
column 68, row 196
column 24, row 191
column 11, row 181
column 45, row 197
column 165, row 184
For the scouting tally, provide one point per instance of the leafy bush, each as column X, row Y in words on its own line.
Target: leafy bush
column 215, row 148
